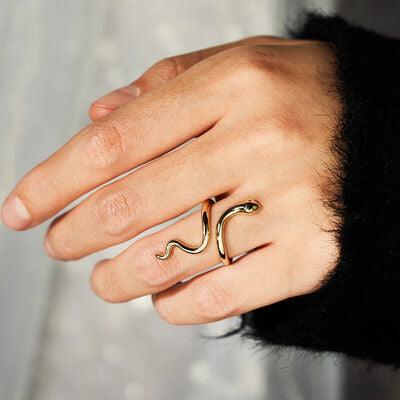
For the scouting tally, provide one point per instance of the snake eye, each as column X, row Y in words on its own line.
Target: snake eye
column 251, row 207
column 255, row 207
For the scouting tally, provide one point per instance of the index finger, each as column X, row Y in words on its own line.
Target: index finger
column 140, row 131
column 162, row 72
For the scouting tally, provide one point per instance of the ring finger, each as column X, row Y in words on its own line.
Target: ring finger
column 137, row 272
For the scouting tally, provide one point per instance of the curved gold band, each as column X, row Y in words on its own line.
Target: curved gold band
column 247, row 207
column 205, row 219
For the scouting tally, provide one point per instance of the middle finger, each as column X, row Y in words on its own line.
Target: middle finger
column 139, row 132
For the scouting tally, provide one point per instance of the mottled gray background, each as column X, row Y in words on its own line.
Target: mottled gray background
column 57, row 340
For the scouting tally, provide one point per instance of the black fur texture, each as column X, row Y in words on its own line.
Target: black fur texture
column 356, row 310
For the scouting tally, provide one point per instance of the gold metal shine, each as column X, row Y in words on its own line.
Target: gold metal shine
column 205, row 219
column 247, row 207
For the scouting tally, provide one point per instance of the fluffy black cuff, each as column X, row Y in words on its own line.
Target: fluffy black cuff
column 355, row 311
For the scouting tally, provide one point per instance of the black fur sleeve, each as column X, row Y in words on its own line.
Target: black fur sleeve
column 356, row 311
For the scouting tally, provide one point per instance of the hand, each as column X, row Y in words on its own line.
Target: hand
column 263, row 118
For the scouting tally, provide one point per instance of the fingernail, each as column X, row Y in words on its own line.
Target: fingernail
column 132, row 89
column 14, row 213
column 118, row 97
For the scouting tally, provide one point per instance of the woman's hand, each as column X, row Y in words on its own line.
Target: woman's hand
column 263, row 116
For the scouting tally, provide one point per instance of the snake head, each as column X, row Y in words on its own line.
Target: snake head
column 251, row 206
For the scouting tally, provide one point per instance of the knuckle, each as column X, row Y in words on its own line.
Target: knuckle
column 213, row 302
column 117, row 210
column 254, row 64
column 259, row 69
column 154, row 273
column 104, row 146
column 167, row 69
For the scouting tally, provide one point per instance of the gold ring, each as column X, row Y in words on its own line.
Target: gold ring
column 205, row 219
column 247, row 207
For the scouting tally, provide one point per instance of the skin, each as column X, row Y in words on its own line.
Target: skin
column 264, row 114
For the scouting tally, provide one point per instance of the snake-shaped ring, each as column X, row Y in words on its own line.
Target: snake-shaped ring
column 247, row 207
